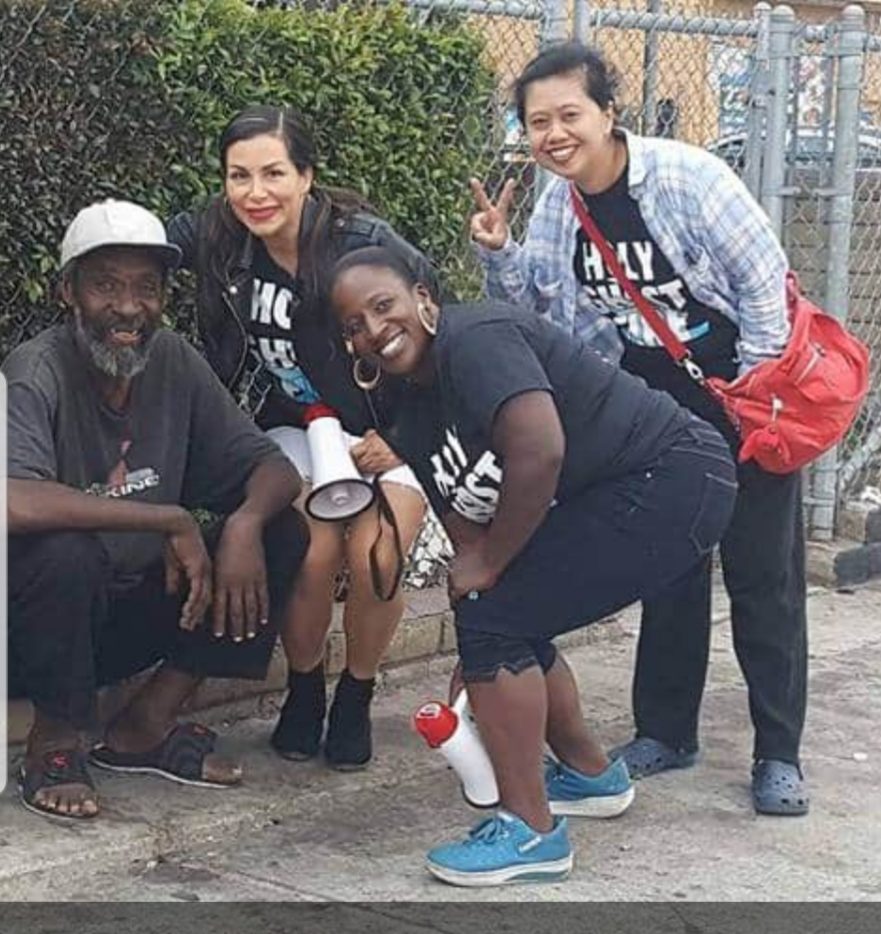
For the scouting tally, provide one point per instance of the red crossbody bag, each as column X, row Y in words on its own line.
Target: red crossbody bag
column 788, row 410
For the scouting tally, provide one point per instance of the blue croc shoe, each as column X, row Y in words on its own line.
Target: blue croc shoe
column 779, row 788
column 578, row 795
column 501, row 850
column 646, row 756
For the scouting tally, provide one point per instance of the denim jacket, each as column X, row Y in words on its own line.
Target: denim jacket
column 704, row 220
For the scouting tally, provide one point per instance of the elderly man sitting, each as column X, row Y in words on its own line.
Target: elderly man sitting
column 117, row 428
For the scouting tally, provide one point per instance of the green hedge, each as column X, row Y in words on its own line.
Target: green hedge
column 126, row 98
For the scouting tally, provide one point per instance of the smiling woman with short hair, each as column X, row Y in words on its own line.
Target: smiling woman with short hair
column 569, row 489
column 691, row 238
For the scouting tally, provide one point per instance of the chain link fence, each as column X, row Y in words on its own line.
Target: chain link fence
column 860, row 468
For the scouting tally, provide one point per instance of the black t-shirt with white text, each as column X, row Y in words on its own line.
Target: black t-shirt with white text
column 709, row 335
column 275, row 302
column 488, row 353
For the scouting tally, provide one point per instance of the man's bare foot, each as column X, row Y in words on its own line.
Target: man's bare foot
column 55, row 751
column 221, row 770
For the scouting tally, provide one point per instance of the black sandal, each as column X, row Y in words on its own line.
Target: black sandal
column 180, row 757
column 58, row 767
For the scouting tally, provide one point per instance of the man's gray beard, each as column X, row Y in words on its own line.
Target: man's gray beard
column 115, row 362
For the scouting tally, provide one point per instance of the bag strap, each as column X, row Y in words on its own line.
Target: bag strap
column 384, row 511
column 677, row 350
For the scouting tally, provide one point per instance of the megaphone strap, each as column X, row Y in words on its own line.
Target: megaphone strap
column 384, row 511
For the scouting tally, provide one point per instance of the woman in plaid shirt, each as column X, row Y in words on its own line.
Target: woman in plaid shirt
column 695, row 242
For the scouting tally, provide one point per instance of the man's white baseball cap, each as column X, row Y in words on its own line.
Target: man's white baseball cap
column 117, row 223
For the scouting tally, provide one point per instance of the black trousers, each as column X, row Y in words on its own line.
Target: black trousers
column 763, row 563
column 71, row 632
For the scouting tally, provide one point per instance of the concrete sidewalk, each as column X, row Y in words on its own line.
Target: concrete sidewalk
column 299, row 832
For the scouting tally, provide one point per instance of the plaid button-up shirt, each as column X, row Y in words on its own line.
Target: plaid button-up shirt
column 716, row 237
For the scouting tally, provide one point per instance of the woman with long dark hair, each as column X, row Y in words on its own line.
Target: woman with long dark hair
column 262, row 252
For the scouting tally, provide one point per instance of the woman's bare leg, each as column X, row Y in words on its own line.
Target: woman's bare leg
column 309, row 612
column 369, row 622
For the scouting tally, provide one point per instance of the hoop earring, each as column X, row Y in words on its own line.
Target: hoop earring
column 360, row 381
column 429, row 326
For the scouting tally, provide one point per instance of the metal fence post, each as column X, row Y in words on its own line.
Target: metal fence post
column 828, row 98
column 581, row 23
column 781, row 30
column 556, row 22
column 650, row 69
column 847, row 44
column 758, row 102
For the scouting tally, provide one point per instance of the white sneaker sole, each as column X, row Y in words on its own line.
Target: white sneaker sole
column 551, row 871
column 601, row 808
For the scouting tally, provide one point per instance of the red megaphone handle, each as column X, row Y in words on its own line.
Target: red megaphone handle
column 318, row 410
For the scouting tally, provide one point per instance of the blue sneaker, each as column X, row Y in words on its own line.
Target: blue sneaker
column 504, row 849
column 578, row 795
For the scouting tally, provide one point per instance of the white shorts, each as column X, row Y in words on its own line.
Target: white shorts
column 293, row 443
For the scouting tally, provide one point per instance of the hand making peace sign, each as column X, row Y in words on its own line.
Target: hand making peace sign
column 489, row 225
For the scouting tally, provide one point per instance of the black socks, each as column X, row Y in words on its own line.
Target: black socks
column 301, row 722
column 297, row 734
column 348, row 745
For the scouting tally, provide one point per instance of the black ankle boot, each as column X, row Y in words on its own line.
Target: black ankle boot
column 297, row 734
column 348, row 746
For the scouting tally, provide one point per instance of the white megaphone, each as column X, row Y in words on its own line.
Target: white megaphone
column 451, row 730
column 338, row 489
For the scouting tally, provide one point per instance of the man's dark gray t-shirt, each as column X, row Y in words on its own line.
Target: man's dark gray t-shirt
column 181, row 441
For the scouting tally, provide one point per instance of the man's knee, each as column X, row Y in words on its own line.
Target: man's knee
column 66, row 560
column 485, row 654
column 285, row 542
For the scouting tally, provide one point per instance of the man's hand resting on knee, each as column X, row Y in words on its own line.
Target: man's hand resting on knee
column 241, row 591
column 187, row 557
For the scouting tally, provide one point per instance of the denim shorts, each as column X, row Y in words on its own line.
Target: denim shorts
column 618, row 541
column 485, row 654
